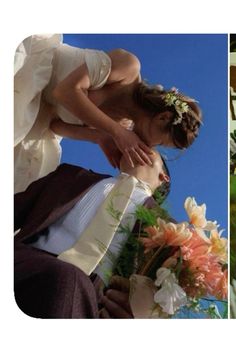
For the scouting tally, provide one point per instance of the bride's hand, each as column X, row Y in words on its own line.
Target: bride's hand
column 110, row 149
column 132, row 147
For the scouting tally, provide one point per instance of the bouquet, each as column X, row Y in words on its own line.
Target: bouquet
column 174, row 268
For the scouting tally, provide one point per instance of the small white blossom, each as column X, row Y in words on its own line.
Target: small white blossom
column 172, row 99
column 171, row 296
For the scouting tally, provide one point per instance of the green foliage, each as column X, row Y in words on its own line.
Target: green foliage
column 161, row 193
column 132, row 256
column 148, row 217
column 125, row 265
column 132, row 252
column 116, row 214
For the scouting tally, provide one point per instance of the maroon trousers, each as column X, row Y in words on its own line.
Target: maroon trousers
column 46, row 287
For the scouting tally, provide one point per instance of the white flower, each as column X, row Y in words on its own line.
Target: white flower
column 172, row 99
column 178, row 118
column 174, row 90
column 162, row 274
column 159, row 87
column 184, row 107
column 171, row 296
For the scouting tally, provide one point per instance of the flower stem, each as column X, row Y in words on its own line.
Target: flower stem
column 146, row 267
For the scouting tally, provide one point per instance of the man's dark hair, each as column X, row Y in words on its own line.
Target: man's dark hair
column 162, row 191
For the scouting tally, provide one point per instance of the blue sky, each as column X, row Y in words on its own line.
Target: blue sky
column 196, row 65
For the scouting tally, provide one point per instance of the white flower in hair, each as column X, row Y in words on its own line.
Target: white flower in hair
column 172, row 98
column 174, row 90
column 159, row 87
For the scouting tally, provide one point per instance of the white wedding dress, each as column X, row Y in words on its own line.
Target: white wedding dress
column 41, row 61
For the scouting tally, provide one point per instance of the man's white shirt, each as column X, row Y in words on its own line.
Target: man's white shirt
column 63, row 234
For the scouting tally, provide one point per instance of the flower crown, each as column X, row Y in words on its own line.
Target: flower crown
column 173, row 98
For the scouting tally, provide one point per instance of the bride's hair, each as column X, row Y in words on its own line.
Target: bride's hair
column 153, row 99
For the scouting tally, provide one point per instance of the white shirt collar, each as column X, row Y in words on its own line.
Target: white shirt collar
column 146, row 186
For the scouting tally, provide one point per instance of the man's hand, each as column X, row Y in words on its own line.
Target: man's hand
column 116, row 305
column 116, row 300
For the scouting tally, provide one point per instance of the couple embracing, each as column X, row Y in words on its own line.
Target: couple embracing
column 61, row 214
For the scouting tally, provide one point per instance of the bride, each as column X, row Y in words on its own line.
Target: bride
column 64, row 91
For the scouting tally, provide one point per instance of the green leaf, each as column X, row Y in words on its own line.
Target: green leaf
column 148, row 217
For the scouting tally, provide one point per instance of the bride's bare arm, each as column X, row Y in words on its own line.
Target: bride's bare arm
column 72, row 91
column 78, row 132
column 72, row 94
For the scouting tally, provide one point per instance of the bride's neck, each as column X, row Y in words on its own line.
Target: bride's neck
column 142, row 125
column 121, row 103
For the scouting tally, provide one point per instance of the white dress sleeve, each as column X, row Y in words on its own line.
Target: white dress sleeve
column 99, row 67
column 67, row 59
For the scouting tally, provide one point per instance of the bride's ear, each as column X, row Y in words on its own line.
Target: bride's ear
column 165, row 116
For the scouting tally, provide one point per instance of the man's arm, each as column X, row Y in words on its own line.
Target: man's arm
column 24, row 201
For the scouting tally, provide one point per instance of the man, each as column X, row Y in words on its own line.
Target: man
column 52, row 214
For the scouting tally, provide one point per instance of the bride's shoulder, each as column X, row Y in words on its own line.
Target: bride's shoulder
column 125, row 65
column 121, row 56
